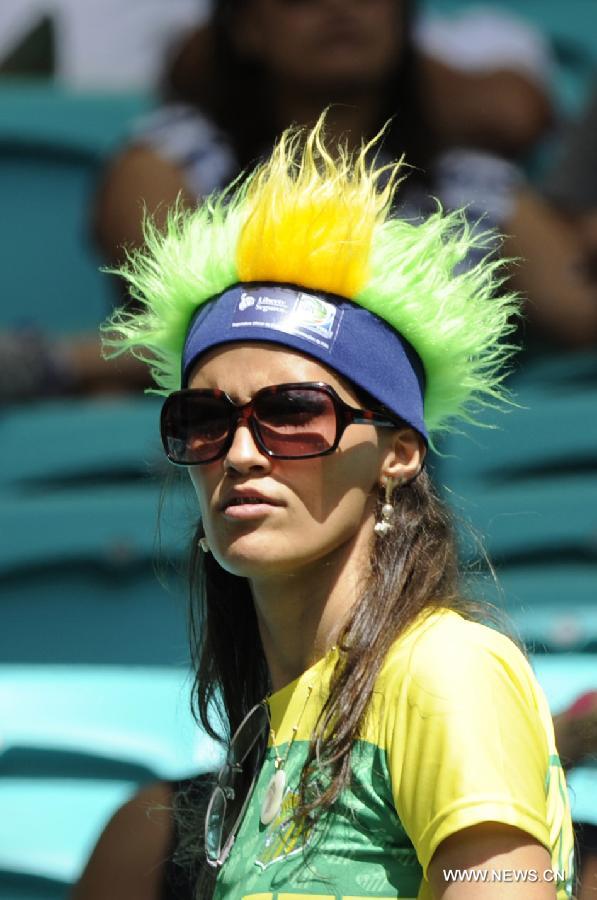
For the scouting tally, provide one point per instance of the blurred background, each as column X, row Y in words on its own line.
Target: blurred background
column 110, row 108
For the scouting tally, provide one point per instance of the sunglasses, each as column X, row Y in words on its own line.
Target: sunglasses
column 287, row 421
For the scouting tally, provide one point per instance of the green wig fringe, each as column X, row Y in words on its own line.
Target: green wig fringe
column 323, row 222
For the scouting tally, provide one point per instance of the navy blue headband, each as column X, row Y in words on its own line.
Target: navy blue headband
column 345, row 336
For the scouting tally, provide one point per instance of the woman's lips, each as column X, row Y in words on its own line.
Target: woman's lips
column 248, row 507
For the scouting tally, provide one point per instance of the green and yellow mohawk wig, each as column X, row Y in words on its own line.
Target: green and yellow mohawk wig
column 322, row 222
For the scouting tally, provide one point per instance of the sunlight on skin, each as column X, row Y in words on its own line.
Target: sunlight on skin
column 490, row 846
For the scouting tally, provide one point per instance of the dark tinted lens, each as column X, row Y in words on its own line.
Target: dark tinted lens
column 194, row 427
column 296, row 421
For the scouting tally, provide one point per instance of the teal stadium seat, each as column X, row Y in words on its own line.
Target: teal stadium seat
column 82, row 490
column 94, row 680
column 76, row 743
column 84, row 442
column 21, row 886
column 528, row 487
column 52, row 146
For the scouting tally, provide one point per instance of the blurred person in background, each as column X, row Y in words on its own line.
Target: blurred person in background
column 570, row 189
column 466, row 95
column 571, row 183
column 576, row 735
column 259, row 65
column 461, row 107
column 559, row 222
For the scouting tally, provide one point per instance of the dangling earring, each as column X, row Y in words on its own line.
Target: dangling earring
column 203, row 545
column 386, row 524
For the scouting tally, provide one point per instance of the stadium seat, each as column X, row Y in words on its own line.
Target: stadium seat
column 15, row 885
column 124, row 722
column 80, row 442
column 84, row 578
column 46, row 114
column 94, row 685
column 98, row 524
column 527, row 487
column 549, row 434
column 87, row 513
column 52, row 144
column 77, row 741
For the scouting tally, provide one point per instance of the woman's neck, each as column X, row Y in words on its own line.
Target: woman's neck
column 301, row 614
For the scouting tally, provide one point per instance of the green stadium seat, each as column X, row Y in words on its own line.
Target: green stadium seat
column 535, row 518
column 550, row 432
column 135, row 715
column 553, row 605
column 90, row 565
column 114, row 525
column 558, row 372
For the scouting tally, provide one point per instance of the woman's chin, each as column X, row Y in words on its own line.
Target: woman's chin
column 254, row 557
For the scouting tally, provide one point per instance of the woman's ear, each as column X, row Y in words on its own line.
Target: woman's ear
column 404, row 456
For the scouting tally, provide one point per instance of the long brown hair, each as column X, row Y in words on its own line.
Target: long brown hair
column 413, row 570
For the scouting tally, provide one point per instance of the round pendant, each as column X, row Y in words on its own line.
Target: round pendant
column 273, row 797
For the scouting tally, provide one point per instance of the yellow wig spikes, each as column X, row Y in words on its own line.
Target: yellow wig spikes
column 312, row 217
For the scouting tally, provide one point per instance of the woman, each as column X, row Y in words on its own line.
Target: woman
column 309, row 345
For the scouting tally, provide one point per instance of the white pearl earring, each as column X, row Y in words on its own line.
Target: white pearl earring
column 203, row 544
column 385, row 524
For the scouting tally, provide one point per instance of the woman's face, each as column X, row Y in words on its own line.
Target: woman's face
column 331, row 45
column 311, row 508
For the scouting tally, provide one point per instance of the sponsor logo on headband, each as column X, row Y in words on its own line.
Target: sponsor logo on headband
column 246, row 300
column 289, row 311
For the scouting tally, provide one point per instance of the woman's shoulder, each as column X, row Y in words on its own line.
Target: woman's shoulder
column 443, row 652
column 184, row 135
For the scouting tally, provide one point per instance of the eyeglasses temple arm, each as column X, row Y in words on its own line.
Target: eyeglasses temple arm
column 379, row 421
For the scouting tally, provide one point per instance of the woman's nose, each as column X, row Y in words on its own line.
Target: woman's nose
column 244, row 454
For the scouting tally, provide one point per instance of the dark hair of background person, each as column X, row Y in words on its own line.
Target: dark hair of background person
column 235, row 91
column 413, row 570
